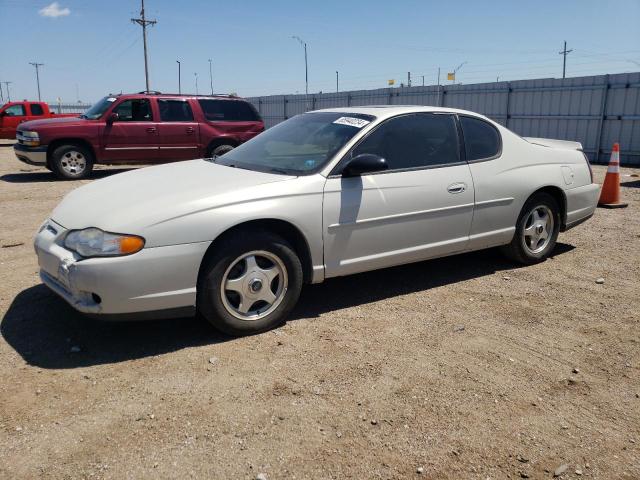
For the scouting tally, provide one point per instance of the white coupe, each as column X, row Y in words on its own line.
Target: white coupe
column 323, row 194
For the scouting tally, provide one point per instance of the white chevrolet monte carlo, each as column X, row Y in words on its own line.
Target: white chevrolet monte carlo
column 323, row 194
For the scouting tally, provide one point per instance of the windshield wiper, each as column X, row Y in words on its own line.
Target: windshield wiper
column 279, row 170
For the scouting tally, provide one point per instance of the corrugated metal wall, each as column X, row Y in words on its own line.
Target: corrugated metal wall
column 596, row 111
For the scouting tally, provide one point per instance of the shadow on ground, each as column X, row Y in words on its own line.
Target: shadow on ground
column 631, row 184
column 43, row 329
column 46, row 176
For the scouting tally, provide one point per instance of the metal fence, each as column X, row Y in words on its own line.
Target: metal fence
column 69, row 107
column 596, row 111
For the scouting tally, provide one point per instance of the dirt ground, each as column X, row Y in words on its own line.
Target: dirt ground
column 464, row 367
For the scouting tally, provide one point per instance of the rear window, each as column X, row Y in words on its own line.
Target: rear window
column 36, row 109
column 175, row 111
column 481, row 139
column 228, row 111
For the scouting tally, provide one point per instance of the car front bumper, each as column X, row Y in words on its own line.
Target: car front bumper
column 159, row 279
column 31, row 155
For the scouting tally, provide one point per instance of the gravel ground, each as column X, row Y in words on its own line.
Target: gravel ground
column 465, row 367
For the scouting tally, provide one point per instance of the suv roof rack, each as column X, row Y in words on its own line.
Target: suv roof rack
column 151, row 92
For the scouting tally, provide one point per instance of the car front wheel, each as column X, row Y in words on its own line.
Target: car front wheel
column 249, row 284
column 536, row 230
column 71, row 162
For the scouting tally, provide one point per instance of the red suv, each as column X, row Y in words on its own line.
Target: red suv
column 138, row 128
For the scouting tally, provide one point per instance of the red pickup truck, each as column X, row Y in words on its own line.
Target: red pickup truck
column 148, row 127
column 14, row 113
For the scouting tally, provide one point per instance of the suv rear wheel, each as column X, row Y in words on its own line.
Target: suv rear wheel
column 72, row 162
column 219, row 150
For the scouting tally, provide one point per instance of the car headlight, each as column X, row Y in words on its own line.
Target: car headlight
column 31, row 139
column 93, row 242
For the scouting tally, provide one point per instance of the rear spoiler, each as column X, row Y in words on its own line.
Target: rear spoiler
column 550, row 142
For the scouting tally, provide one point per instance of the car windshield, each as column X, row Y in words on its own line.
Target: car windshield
column 298, row 146
column 99, row 108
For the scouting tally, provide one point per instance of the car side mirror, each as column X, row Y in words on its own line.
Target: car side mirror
column 3, row 113
column 364, row 163
column 113, row 117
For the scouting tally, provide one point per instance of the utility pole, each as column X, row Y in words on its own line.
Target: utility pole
column 337, row 82
column 6, row 84
column 210, row 76
column 179, row 86
column 306, row 69
column 438, row 86
column 36, row 64
column 143, row 22
column 564, row 53
column 423, row 80
column 408, row 79
column 1, row 95
column 195, row 74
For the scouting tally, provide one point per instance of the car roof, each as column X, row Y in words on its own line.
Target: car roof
column 386, row 111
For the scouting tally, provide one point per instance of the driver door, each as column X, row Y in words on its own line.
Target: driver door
column 133, row 136
column 421, row 207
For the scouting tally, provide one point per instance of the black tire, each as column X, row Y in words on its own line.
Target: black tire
column 519, row 249
column 62, row 158
column 210, row 303
column 219, row 150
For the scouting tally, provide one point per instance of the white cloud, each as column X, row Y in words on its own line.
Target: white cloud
column 54, row 11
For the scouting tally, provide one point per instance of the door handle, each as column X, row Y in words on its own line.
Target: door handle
column 456, row 188
column 190, row 130
column 151, row 129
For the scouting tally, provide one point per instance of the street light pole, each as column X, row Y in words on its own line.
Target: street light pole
column 306, row 67
column 196, row 75
column 337, row 82
column 36, row 64
column 210, row 76
column 179, row 86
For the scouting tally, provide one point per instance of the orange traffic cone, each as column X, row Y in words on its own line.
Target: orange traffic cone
column 610, row 193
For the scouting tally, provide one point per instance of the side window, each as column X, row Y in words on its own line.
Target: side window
column 413, row 141
column 135, row 110
column 15, row 111
column 175, row 111
column 36, row 109
column 481, row 139
column 228, row 111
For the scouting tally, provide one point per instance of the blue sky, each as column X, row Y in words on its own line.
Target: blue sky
column 93, row 47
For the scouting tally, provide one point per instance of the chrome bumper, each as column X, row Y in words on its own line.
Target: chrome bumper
column 31, row 155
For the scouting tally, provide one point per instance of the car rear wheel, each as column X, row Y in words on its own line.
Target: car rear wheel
column 536, row 230
column 72, row 162
column 219, row 150
column 250, row 284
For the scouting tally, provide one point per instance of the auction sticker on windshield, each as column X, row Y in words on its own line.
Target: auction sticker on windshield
column 352, row 122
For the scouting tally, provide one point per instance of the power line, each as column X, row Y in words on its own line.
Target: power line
column 37, row 65
column 564, row 53
column 143, row 22
column 6, row 84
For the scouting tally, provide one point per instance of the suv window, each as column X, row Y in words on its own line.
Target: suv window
column 36, row 109
column 15, row 111
column 481, row 139
column 413, row 141
column 175, row 111
column 135, row 110
column 228, row 111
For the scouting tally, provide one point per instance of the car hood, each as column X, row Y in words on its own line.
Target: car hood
column 132, row 202
column 49, row 122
